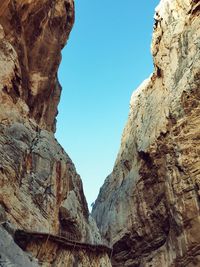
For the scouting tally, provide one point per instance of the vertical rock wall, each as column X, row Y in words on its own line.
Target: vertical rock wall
column 39, row 187
column 148, row 208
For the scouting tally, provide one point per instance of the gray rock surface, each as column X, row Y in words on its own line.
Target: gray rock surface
column 40, row 189
column 148, row 208
column 11, row 255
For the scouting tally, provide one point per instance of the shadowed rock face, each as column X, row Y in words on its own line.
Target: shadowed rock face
column 35, row 32
column 148, row 208
column 39, row 187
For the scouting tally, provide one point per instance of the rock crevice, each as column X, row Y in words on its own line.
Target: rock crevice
column 39, row 186
column 151, row 208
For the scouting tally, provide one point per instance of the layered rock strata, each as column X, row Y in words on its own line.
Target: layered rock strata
column 151, row 201
column 39, row 187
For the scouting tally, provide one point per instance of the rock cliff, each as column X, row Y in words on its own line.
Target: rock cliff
column 40, row 190
column 148, row 208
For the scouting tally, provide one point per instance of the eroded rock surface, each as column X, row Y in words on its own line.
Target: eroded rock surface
column 32, row 36
column 148, row 208
column 11, row 254
column 39, row 187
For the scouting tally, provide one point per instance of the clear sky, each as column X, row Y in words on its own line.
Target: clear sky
column 106, row 58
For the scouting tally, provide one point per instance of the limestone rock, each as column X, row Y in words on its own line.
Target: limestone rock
column 11, row 254
column 148, row 208
column 40, row 189
column 35, row 32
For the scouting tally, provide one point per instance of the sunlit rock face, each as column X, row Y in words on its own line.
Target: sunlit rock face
column 39, row 187
column 148, row 208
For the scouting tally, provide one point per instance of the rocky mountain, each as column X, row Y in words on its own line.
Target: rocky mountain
column 40, row 191
column 148, row 208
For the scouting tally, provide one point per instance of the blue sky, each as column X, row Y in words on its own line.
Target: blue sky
column 106, row 58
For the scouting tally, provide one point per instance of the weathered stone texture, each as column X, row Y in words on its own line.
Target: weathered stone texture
column 148, row 208
column 39, row 187
column 11, row 254
column 34, row 34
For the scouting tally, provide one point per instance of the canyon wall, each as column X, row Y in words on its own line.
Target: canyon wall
column 40, row 190
column 148, row 207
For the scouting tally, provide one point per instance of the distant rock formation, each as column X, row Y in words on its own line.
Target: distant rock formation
column 39, row 188
column 148, row 208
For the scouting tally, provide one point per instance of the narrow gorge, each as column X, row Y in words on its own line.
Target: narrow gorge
column 147, row 212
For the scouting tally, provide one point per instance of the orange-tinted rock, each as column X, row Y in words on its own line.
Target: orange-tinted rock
column 40, row 189
column 150, row 203
column 37, row 31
